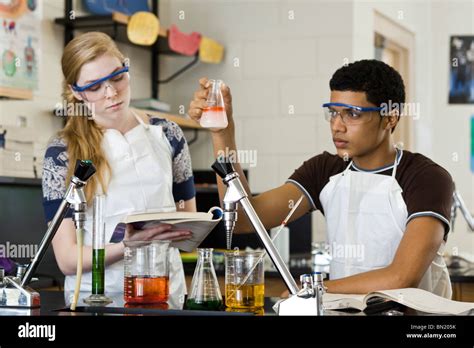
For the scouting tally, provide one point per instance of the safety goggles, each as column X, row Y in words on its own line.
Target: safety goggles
column 97, row 89
column 350, row 114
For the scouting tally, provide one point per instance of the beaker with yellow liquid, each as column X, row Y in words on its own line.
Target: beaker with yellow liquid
column 244, row 279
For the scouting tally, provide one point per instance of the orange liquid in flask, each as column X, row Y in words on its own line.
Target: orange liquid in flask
column 146, row 289
column 214, row 117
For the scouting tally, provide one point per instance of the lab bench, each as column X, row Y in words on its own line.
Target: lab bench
column 462, row 280
column 53, row 303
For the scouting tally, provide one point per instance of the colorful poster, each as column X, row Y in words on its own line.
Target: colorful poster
column 461, row 75
column 19, row 43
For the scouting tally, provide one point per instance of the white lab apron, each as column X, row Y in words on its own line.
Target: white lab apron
column 366, row 218
column 141, row 166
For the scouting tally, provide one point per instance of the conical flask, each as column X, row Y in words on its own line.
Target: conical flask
column 214, row 114
column 205, row 293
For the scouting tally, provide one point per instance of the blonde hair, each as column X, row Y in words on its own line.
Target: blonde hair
column 82, row 135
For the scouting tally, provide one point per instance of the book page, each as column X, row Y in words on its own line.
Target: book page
column 200, row 230
column 344, row 301
column 425, row 301
column 179, row 215
column 200, row 224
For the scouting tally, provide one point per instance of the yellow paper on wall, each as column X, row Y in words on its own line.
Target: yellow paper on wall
column 210, row 51
column 143, row 28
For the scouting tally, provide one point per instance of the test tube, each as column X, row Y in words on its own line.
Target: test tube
column 98, row 247
column 98, row 253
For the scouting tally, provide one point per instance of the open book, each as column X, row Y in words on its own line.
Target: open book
column 200, row 224
column 418, row 299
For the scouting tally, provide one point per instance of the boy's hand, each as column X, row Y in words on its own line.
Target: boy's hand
column 199, row 103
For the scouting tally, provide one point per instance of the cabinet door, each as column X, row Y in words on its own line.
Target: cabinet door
column 463, row 292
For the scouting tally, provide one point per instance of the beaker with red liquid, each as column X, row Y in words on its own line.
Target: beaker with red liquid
column 146, row 271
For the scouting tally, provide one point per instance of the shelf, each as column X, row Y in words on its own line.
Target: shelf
column 200, row 188
column 86, row 22
column 114, row 25
column 184, row 123
column 10, row 180
column 122, row 18
column 16, row 93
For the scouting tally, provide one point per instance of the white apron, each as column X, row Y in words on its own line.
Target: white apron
column 141, row 164
column 366, row 218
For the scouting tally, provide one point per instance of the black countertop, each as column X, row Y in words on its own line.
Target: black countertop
column 53, row 303
column 56, row 303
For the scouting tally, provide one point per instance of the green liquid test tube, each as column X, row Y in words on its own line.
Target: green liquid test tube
column 98, row 271
column 98, row 255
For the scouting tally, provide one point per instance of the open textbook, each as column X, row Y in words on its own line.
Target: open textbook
column 418, row 299
column 200, row 224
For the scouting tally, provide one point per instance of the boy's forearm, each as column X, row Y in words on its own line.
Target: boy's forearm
column 363, row 283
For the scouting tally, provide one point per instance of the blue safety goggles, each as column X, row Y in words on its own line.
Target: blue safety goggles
column 77, row 88
column 358, row 108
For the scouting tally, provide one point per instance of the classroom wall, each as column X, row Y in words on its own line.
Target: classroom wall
column 287, row 62
column 442, row 131
column 279, row 57
column 451, row 123
column 287, row 52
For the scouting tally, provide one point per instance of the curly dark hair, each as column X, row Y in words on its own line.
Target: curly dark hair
column 380, row 82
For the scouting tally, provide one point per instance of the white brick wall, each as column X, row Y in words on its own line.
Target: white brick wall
column 306, row 95
column 442, row 129
column 279, row 58
column 255, row 97
column 284, row 62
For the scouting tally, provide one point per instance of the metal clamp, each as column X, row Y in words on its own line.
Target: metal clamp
column 458, row 202
column 236, row 194
column 15, row 292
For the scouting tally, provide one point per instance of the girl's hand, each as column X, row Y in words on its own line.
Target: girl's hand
column 159, row 232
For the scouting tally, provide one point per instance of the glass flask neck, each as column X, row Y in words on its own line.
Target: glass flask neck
column 205, row 254
column 215, row 96
column 216, row 85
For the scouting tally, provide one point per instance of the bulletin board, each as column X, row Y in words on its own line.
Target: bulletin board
column 461, row 75
column 19, row 44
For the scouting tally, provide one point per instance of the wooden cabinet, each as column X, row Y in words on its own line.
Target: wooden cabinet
column 463, row 291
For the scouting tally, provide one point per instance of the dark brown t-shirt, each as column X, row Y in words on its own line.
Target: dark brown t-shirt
column 427, row 187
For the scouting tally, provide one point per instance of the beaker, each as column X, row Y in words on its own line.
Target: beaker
column 259, row 311
column 205, row 292
column 146, row 271
column 214, row 114
column 244, row 279
column 320, row 256
column 98, row 255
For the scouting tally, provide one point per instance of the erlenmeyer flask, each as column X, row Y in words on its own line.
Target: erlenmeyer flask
column 205, row 293
column 214, row 115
